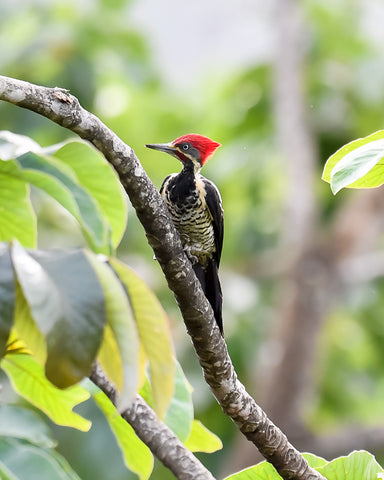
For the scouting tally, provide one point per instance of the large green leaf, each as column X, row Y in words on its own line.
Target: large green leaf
column 266, row 471
column 356, row 466
column 76, row 175
column 359, row 164
column 17, row 218
column 100, row 179
column 154, row 334
column 29, row 380
column 7, row 296
column 23, row 423
column 67, row 303
column 119, row 351
column 26, row 461
column 137, row 456
column 47, row 174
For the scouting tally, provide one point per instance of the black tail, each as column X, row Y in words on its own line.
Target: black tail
column 209, row 279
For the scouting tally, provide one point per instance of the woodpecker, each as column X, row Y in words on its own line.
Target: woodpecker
column 195, row 206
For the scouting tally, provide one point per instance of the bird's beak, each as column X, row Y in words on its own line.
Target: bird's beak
column 163, row 147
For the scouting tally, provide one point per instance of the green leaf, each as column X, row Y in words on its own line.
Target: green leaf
column 17, row 218
column 67, row 304
column 27, row 461
column 119, row 351
column 154, row 334
column 76, row 175
column 179, row 416
column 7, row 296
column 5, row 473
column 358, row 164
column 137, row 456
column 100, row 179
column 28, row 379
column 261, row 471
column 314, row 461
column 356, row 466
column 23, row 423
column 202, row 440
column 48, row 175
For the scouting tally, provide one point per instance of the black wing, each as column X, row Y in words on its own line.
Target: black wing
column 164, row 182
column 215, row 206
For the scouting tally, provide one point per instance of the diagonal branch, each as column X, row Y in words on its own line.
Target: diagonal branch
column 61, row 107
column 155, row 434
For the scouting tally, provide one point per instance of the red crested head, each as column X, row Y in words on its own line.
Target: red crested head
column 192, row 149
column 204, row 145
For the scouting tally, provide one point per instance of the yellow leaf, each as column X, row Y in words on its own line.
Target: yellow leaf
column 154, row 334
column 202, row 440
column 119, row 351
column 29, row 380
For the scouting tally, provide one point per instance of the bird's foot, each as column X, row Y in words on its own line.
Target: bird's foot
column 192, row 258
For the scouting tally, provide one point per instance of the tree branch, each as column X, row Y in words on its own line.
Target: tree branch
column 61, row 107
column 155, row 434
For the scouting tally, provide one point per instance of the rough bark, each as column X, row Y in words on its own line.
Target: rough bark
column 64, row 109
column 162, row 442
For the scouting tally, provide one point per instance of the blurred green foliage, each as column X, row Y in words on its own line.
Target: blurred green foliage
column 94, row 49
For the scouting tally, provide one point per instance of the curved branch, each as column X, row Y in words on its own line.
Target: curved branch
column 61, row 107
column 155, row 434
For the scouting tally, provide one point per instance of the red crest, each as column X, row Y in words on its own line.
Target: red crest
column 205, row 145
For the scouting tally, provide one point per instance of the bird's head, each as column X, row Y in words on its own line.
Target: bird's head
column 189, row 148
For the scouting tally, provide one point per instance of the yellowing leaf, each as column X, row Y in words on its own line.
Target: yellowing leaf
column 110, row 359
column 26, row 329
column 29, row 380
column 154, row 334
column 119, row 352
column 202, row 440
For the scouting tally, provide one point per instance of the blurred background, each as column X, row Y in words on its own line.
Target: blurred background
column 282, row 85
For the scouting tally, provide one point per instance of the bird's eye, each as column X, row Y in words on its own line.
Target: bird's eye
column 185, row 146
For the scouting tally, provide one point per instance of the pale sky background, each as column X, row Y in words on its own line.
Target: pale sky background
column 212, row 38
column 204, row 36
